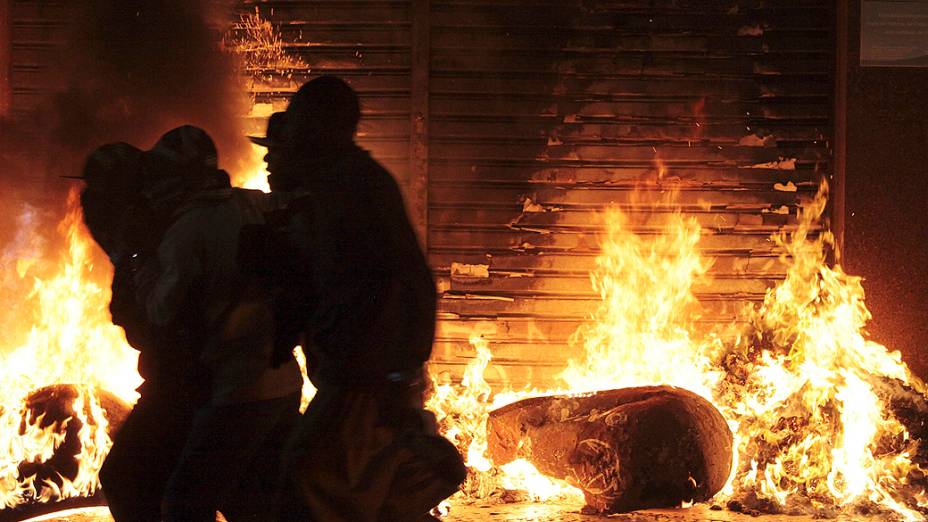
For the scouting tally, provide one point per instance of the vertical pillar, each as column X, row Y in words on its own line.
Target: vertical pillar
column 839, row 150
column 419, row 120
column 6, row 57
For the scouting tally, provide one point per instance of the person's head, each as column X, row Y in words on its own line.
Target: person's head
column 113, row 183
column 112, row 167
column 183, row 161
column 323, row 113
column 187, row 150
column 281, row 175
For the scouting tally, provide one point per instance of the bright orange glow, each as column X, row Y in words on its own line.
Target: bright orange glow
column 256, row 176
column 803, row 389
column 797, row 385
column 70, row 341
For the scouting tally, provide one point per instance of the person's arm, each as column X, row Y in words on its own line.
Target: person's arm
column 178, row 266
column 125, row 310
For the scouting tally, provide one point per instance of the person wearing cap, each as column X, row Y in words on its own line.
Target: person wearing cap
column 149, row 441
column 365, row 450
column 112, row 183
column 195, row 288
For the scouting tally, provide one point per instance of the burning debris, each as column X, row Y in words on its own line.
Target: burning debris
column 64, row 433
column 825, row 421
column 627, row 449
column 56, row 435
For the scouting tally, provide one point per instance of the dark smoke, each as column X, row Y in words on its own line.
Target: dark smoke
column 132, row 69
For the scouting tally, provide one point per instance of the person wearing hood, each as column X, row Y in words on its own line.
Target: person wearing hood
column 148, row 443
column 195, row 287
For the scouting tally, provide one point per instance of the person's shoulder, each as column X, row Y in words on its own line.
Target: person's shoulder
column 247, row 192
column 370, row 171
column 186, row 226
column 252, row 197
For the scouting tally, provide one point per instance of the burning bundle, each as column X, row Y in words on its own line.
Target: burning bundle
column 627, row 449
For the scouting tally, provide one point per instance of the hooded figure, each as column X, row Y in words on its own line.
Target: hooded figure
column 194, row 289
column 365, row 450
column 149, row 442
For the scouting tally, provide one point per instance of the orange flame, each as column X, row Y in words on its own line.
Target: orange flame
column 799, row 387
column 815, row 372
column 463, row 411
column 641, row 333
column 803, row 389
column 72, row 340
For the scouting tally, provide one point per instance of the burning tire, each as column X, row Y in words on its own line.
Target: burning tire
column 65, row 431
column 627, row 449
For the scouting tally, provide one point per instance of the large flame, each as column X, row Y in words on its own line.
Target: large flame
column 813, row 429
column 641, row 333
column 804, row 390
column 799, row 386
column 70, row 339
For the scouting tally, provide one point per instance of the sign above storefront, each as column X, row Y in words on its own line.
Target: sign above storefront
column 894, row 33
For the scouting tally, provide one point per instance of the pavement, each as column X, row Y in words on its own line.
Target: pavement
column 547, row 512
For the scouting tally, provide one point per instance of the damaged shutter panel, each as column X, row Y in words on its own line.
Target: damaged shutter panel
column 541, row 117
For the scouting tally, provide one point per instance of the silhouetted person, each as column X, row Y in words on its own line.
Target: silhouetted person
column 148, row 444
column 112, row 190
column 365, row 450
column 196, row 285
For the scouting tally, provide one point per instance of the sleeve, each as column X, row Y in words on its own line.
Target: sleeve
column 125, row 310
column 179, row 265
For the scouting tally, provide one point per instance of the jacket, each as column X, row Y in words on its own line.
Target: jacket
column 198, row 277
column 373, row 315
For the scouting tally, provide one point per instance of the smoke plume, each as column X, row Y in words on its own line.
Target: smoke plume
column 131, row 70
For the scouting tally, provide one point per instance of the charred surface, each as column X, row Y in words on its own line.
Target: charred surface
column 52, row 407
column 627, row 449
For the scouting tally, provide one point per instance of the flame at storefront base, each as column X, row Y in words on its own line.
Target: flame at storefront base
column 521, row 475
column 811, row 401
column 67, row 338
column 59, row 333
column 814, row 405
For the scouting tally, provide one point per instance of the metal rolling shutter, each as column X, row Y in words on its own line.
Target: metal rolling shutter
column 367, row 43
column 565, row 106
